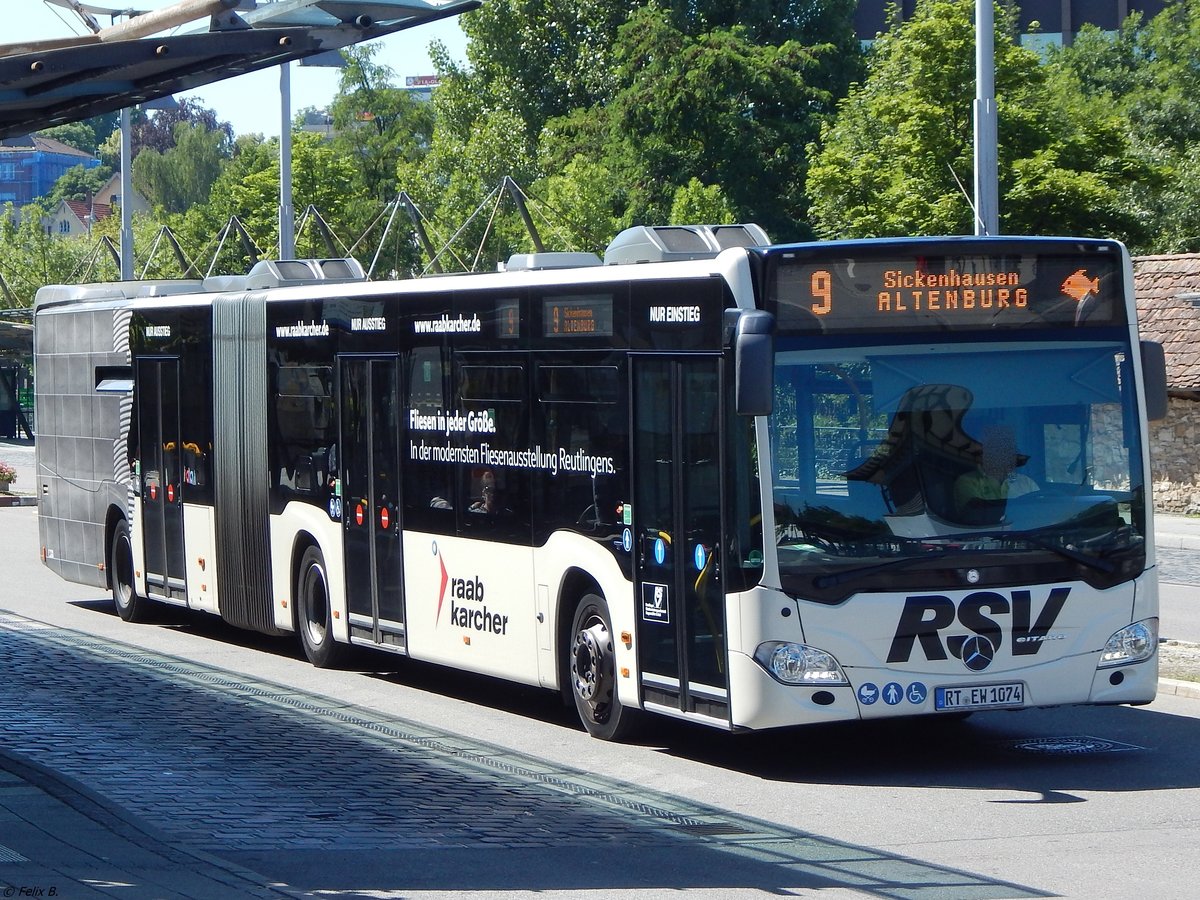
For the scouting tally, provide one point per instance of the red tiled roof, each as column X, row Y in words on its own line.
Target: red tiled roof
column 81, row 209
column 1165, row 287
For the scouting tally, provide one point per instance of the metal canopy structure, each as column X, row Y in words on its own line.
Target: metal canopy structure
column 42, row 85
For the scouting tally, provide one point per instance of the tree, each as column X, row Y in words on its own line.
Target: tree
column 86, row 135
column 31, row 258
column 700, row 203
column 649, row 96
column 379, row 128
column 159, row 131
column 376, row 124
column 248, row 187
column 77, row 183
column 1147, row 76
column 1163, row 101
column 183, row 175
column 720, row 108
column 898, row 157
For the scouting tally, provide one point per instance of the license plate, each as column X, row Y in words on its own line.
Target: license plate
column 979, row 696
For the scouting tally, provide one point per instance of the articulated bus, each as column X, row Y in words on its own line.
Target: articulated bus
column 744, row 485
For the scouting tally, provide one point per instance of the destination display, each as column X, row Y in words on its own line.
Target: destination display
column 873, row 292
column 578, row 316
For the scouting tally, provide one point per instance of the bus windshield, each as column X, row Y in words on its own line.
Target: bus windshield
column 1018, row 460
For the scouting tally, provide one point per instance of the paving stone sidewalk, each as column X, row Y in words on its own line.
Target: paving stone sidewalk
column 132, row 774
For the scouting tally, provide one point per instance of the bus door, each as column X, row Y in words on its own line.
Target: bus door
column 160, row 476
column 370, row 485
column 676, row 522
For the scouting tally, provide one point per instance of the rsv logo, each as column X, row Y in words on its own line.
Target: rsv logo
column 925, row 617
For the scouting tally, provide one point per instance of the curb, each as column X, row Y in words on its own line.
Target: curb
column 1176, row 688
column 7, row 500
column 1177, row 541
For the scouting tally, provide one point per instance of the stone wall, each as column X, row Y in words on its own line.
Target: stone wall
column 1175, row 458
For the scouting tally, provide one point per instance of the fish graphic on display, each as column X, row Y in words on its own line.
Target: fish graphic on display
column 1078, row 286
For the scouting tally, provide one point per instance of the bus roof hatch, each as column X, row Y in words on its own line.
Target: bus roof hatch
column 663, row 243
column 283, row 272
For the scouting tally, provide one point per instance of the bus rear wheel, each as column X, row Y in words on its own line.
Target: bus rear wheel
column 592, row 669
column 130, row 605
column 314, row 614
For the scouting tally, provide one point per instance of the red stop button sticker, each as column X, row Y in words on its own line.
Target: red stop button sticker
column 359, row 514
column 384, row 519
column 170, row 493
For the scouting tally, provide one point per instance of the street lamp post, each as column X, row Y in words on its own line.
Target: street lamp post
column 287, row 211
column 987, row 202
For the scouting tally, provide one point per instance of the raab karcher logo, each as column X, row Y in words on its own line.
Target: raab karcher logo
column 467, row 607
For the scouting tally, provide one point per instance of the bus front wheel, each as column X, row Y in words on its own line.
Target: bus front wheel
column 593, row 672
column 315, row 617
column 130, row 605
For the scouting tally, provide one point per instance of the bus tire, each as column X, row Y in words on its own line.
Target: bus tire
column 131, row 606
column 314, row 614
column 591, row 659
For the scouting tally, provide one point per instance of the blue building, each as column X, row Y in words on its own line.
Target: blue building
column 30, row 165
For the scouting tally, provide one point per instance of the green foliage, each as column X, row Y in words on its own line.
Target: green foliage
column 697, row 203
column 378, row 126
column 74, row 134
column 610, row 113
column 248, row 188
column 1144, row 82
column 581, row 201
column 31, row 257
column 1100, row 139
column 77, row 183
column 86, row 135
column 183, row 175
column 611, row 109
column 899, row 157
column 721, row 108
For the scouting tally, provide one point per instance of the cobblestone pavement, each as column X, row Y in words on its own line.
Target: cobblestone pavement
column 1176, row 659
column 233, row 766
column 1178, row 566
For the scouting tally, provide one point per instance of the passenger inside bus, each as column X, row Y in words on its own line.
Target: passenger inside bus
column 488, row 501
column 981, row 494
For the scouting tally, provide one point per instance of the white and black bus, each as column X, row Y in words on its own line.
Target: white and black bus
column 751, row 486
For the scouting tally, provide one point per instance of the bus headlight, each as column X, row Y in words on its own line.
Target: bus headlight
column 1133, row 643
column 799, row 664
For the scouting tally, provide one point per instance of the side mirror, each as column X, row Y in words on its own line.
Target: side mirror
column 1154, row 380
column 754, row 363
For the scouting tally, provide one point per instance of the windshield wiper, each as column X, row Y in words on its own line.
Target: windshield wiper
column 836, row 578
column 1032, row 537
column 1092, row 562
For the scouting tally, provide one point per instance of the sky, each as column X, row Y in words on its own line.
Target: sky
column 250, row 103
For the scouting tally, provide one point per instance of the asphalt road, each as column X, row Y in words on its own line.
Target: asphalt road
column 398, row 779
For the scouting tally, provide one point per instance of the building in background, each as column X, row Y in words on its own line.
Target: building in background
column 1168, row 299
column 1057, row 21
column 110, row 195
column 30, row 165
column 420, row 87
column 72, row 218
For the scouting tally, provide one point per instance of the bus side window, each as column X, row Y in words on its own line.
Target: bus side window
column 429, row 497
column 582, row 417
column 305, row 426
column 492, row 392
